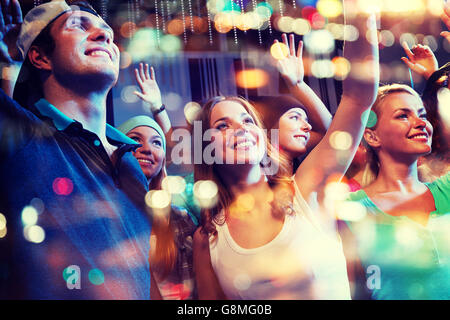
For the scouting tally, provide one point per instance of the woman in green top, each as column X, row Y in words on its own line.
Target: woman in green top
column 403, row 240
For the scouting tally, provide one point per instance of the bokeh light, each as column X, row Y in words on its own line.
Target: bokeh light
column 191, row 111
column 127, row 94
column 205, row 193
column 350, row 211
column 29, row 216
column 284, row 24
column 301, row 26
column 341, row 140
column 34, row 234
column 322, row 68
column 341, row 67
column 319, row 42
column 251, row 78
column 62, row 186
column 329, row 8
column 96, row 277
column 387, row 38
column 174, row 184
column 2, row 221
column 170, row 43
column 38, row 204
column 157, row 199
column 242, row 282
column 279, row 51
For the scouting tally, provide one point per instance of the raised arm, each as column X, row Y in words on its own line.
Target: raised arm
column 420, row 59
column 334, row 153
column 292, row 70
column 208, row 286
column 10, row 58
column 446, row 19
column 151, row 94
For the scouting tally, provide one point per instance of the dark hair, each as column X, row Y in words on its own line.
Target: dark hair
column 430, row 100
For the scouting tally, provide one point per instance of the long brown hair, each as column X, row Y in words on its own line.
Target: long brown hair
column 165, row 254
column 373, row 163
column 204, row 171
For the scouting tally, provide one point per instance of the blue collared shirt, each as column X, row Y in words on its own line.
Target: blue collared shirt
column 76, row 221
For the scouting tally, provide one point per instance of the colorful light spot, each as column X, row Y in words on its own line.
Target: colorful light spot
column 62, row 186
column 96, row 277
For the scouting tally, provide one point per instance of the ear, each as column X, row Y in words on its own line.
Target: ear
column 371, row 137
column 39, row 59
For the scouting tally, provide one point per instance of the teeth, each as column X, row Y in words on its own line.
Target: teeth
column 244, row 144
column 99, row 53
column 420, row 136
column 145, row 161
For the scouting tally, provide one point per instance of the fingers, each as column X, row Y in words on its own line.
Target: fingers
column 2, row 21
column 446, row 35
column 300, row 49
column 16, row 12
column 408, row 51
column 7, row 12
column 139, row 80
column 141, row 71
column 291, row 45
column 140, row 95
column 152, row 72
column 413, row 66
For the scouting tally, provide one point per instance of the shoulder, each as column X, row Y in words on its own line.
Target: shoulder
column 440, row 189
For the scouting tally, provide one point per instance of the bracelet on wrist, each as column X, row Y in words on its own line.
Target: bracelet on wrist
column 161, row 109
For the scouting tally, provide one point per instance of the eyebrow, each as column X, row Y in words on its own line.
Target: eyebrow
column 225, row 118
column 85, row 19
column 422, row 109
column 299, row 113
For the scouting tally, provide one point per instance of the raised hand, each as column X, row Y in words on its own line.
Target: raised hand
column 420, row 59
column 10, row 23
column 361, row 84
column 446, row 19
column 291, row 67
column 150, row 92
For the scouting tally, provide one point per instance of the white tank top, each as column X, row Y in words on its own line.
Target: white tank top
column 301, row 262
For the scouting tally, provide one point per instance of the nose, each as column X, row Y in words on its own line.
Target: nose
column 240, row 128
column 145, row 149
column 101, row 34
column 419, row 122
column 306, row 126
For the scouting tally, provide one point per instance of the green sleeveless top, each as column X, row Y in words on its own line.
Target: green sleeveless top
column 402, row 258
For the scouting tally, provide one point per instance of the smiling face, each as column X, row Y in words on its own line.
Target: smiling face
column 294, row 132
column 236, row 137
column 151, row 155
column 84, row 47
column 402, row 126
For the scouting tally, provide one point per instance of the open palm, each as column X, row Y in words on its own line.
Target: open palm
column 420, row 59
column 10, row 23
column 291, row 66
column 150, row 92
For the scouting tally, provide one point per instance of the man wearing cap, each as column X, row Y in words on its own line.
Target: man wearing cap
column 72, row 212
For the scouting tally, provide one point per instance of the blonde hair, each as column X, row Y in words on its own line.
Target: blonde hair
column 373, row 164
column 204, row 171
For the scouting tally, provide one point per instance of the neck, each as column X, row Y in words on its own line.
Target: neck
column 395, row 175
column 86, row 107
column 245, row 179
